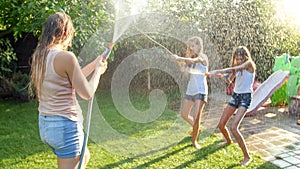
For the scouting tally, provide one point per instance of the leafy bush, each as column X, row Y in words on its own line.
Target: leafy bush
column 22, row 17
column 7, row 55
column 252, row 23
column 17, row 86
column 29, row 16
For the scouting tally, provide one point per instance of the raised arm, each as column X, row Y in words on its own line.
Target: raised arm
column 72, row 70
column 202, row 58
column 247, row 65
column 89, row 68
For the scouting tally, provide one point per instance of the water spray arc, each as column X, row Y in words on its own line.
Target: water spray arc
column 104, row 56
column 158, row 57
column 192, row 71
column 151, row 39
column 155, row 41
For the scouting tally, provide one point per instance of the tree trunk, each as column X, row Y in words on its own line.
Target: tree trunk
column 294, row 106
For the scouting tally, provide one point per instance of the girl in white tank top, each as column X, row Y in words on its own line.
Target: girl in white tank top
column 196, row 93
column 243, row 70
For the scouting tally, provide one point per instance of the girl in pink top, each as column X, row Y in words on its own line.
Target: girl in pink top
column 55, row 77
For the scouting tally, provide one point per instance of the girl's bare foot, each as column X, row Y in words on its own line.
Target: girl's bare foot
column 223, row 144
column 246, row 161
column 196, row 145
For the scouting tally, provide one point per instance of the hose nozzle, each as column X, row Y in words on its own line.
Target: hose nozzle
column 220, row 75
column 107, row 52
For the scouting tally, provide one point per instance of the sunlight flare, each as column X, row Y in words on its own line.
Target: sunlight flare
column 288, row 10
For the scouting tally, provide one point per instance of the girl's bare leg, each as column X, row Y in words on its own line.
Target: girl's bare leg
column 234, row 128
column 72, row 163
column 197, row 122
column 227, row 113
column 186, row 109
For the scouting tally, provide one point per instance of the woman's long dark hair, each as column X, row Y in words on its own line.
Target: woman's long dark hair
column 58, row 30
column 240, row 51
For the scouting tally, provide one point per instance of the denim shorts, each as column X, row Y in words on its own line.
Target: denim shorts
column 64, row 136
column 199, row 96
column 238, row 100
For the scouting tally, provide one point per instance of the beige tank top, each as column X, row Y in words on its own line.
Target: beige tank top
column 58, row 97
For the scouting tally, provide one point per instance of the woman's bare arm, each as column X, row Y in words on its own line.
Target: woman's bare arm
column 89, row 68
column 72, row 70
column 233, row 69
column 202, row 58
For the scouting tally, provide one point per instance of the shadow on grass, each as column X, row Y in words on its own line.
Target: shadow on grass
column 232, row 166
column 201, row 154
column 267, row 165
column 129, row 160
column 212, row 148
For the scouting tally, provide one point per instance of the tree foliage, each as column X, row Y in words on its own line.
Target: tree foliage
column 6, row 57
column 19, row 17
column 22, row 17
column 252, row 23
column 228, row 23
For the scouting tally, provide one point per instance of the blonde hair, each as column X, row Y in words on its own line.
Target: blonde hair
column 58, row 29
column 197, row 41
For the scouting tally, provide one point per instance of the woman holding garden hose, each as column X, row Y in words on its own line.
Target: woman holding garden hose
column 56, row 76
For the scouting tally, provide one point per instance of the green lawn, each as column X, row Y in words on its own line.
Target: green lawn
column 21, row 148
